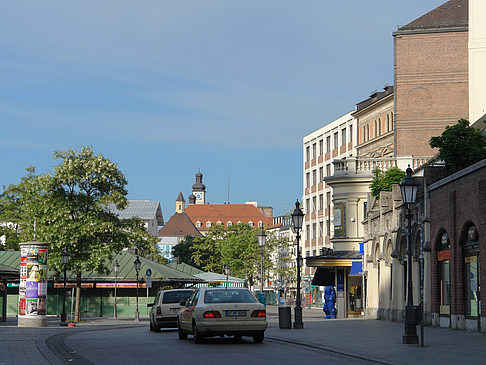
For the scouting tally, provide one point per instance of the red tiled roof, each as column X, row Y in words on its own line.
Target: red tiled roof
column 225, row 213
column 453, row 13
column 179, row 225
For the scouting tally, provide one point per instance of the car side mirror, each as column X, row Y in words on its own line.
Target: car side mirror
column 150, row 304
column 183, row 303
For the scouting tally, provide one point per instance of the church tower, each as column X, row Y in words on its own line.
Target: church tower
column 180, row 204
column 199, row 189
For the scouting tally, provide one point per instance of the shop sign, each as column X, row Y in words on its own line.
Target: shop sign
column 340, row 220
column 444, row 255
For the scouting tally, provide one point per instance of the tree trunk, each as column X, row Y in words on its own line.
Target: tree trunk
column 77, row 315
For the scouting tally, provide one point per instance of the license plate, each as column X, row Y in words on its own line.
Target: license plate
column 174, row 310
column 235, row 313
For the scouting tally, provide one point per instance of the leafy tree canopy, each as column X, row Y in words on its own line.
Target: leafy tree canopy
column 460, row 145
column 384, row 180
column 70, row 208
column 183, row 250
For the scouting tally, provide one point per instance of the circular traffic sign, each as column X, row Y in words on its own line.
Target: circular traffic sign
column 148, row 272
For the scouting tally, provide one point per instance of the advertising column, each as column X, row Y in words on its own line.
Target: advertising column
column 33, row 284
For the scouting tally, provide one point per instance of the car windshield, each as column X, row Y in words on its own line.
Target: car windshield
column 176, row 296
column 229, row 296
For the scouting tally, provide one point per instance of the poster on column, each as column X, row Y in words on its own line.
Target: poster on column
column 33, row 281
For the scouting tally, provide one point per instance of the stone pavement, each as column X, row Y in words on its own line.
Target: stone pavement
column 381, row 341
column 378, row 341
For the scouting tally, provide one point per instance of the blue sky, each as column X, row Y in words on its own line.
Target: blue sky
column 165, row 87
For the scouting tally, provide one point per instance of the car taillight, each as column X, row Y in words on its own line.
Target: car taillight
column 159, row 311
column 259, row 313
column 212, row 314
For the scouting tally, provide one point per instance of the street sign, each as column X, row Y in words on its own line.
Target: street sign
column 148, row 282
column 148, row 272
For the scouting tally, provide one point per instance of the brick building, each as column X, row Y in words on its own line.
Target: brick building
column 458, row 228
column 431, row 76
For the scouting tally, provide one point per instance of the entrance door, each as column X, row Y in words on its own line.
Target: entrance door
column 472, row 300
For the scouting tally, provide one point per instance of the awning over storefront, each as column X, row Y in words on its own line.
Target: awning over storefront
column 356, row 269
column 324, row 276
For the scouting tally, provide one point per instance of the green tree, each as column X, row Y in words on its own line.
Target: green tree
column 384, row 180
column 184, row 250
column 71, row 208
column 460, row 145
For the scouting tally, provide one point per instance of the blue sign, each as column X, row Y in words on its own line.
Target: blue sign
column 148, row 272
column 340, row 280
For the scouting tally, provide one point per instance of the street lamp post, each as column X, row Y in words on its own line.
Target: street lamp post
column 297, row 220
column 227, row 273
column 137, row 264
column 408, row 188
column 262, row 237
column 65, row 261
column 116, row 266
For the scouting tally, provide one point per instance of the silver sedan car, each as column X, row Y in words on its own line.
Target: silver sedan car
column 222, row 311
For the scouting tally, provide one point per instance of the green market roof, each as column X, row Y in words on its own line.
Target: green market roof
column 185, row 268
column 126, row 271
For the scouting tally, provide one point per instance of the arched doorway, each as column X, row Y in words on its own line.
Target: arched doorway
column 443, row 246
column 471, row 270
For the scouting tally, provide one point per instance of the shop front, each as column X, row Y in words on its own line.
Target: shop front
column 343, row 271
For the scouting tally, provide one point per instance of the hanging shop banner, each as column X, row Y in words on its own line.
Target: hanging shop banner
column 339, row 219
column 33, row 279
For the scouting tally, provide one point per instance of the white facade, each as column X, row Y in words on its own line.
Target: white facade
column 335, row 140
column 477, row 60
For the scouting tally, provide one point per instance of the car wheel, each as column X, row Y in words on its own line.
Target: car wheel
column 198, row 338
column 258, row 338
column 156, row 329
column 181, row 333
column 237, row 338
column 151, row 326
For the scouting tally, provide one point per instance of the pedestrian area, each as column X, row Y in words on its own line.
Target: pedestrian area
column 378, row 341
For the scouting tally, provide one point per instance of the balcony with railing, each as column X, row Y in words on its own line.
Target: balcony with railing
column 362, row 165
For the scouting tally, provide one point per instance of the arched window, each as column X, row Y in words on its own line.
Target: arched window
column 229, row 224
column 367, row 132
column 444, row 258
column 470, row 253
column 208, row 224
column 388, row 122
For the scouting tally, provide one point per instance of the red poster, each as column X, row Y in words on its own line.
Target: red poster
column 22, row 306
column 23, row 261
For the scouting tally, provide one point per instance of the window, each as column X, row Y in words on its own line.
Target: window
column 321, row 202
column 314, row 205
column 336, row 140
column 314, row 229
column 365, row 209
column 444, row 255
column 320, row 229
column 229, row 224
column 328, row 169
column 219, row 223
column 307, row 180
column 260, row 224
column 208, row 224
column 321, row 174
column 328, row 144
column 250, row 223
column 307, row 229
column 350, row 133
column 328, row 198
column 367, row 138
column 198, row 224
column 321, row 147
column 314, row 177
column 379, row 126
column 307, row 253
column 314, row 151
column 307, row 206
column 364, row 134
column 388, row 122
column 343, row 137
column 307, row 153
column 314, row 252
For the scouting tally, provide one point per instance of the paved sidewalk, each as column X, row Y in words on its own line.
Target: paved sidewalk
column 378, row 341
column 381, row 341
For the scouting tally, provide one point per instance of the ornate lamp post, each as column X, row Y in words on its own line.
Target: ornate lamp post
column 116, row 266
column 297, row 220
column 227, row 273
column 262, row 238
column 408, row 188
column 65, row 261
column 137, row 265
